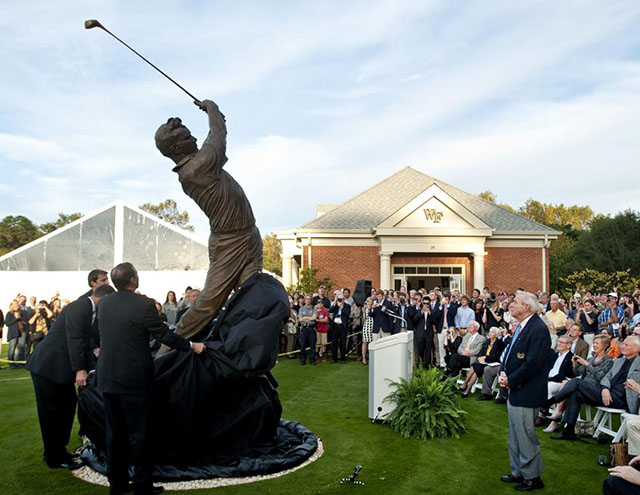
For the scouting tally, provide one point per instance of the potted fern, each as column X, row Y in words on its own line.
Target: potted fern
column 426, row 406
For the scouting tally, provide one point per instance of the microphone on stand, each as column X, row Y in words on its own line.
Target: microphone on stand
column 394, row 315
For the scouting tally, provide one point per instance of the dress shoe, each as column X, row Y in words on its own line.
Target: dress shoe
column 540, row 421
column 122, row 491
column 512, row 478
column 152, row 490
column 483, row 397
column 500, row 401
column 70, row 464
column 529, row 485
column 564, row 436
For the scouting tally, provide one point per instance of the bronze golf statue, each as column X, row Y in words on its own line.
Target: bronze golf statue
column 235, row 246
column 214, row 414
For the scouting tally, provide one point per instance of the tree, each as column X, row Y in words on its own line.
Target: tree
column 272, row 254
column 63, row 219
column 579, row 217
column 168, row 211
column 309, row 283
column 16, row 231
column 489, row 196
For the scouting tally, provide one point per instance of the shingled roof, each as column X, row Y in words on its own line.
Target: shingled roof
column 371, row 207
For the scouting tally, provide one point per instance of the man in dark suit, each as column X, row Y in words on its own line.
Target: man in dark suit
column 401, row 307
column 382, row 324
column 423, row 325
column 96, row 278
column 524, row 372
column 339, row 316
column 61, row 361
column 125, row 375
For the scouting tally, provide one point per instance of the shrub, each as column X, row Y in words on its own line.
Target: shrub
column 426, row 406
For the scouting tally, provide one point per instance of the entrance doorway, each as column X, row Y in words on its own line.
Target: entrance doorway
column 447, row 277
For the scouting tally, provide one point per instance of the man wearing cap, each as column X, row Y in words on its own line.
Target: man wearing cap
column 612, row 315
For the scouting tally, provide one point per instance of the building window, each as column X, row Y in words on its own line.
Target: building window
column 427, row 277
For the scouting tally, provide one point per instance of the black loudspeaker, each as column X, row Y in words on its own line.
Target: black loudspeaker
column 362, row 291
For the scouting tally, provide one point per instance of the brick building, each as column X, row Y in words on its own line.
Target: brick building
column 413, row 230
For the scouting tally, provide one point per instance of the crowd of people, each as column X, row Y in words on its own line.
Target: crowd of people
column 28, row 320
column 586, row 351
column 593, row 353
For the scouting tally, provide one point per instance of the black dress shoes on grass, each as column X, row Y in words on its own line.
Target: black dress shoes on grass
column 70, row 464
column 511, row 478
column 529, row 485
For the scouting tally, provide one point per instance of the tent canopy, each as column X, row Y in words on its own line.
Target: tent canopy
column 115, row 233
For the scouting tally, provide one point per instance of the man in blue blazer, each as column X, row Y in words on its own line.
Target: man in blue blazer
column 524, row 371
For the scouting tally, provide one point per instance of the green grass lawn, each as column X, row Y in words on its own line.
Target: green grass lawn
column 331, row 400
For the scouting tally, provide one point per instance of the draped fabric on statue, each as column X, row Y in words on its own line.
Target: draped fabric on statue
column 218, row 414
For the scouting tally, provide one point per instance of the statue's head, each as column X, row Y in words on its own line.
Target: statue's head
column 174, row 140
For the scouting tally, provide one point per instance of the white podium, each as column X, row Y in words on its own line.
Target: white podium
column 390, row 359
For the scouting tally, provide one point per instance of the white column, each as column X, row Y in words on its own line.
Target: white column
column 385, row 271
column 287, row 272
column 478, row 270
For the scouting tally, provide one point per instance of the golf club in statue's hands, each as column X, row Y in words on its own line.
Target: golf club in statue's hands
column 93, row 23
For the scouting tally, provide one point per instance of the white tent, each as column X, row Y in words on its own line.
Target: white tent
column 167, row 257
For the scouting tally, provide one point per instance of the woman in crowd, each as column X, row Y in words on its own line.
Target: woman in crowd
column 367, row 327
column 292, row 327
column 162, row 316
column 492, row 314
column 489, row 353
column 40, row 323
column 453, row 342
column 16, row 321
column 614, row 350
column 592, row 370
column 478, row 309
column 170, row 307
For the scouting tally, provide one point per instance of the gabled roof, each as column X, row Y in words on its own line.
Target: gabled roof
column 116, row 232
column 371, row 207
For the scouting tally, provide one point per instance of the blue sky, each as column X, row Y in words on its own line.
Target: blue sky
column 323, row 99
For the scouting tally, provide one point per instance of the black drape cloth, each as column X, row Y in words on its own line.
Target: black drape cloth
column 218, row 413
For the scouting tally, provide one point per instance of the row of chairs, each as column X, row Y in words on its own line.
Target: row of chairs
column 602, row 420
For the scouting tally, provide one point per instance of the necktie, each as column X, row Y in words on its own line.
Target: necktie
column 470, row 341
column 513, row 340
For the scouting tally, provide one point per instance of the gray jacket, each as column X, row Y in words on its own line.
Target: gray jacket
column 475, row 348
column 634, row 373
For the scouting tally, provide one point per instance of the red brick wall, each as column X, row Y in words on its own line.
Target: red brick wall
column 505, row 268
column 345, row 264
column 508, row 268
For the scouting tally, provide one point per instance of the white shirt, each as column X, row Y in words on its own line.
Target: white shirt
column 556, row 366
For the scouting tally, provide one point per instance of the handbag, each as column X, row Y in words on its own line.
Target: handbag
column 619, row 454
column 36, row 337
column 585, row 428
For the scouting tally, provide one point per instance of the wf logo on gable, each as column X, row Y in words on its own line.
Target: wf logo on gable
column 434, row 215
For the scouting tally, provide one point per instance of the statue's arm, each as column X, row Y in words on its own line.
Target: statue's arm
column 216, row 141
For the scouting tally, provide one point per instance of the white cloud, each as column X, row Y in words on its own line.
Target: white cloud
column 323, row 99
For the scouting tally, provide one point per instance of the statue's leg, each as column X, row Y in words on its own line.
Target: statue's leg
column 231, row 257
